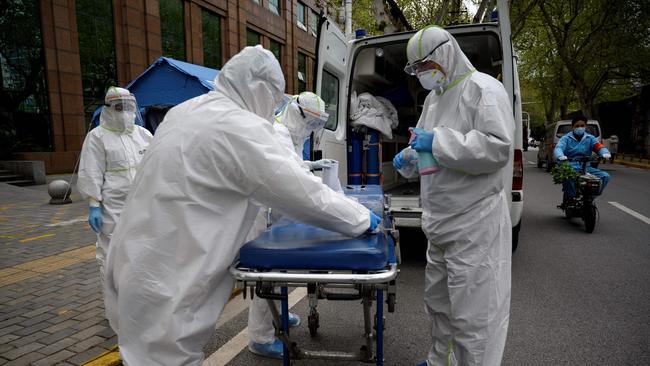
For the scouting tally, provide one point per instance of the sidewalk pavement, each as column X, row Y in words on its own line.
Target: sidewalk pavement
column 51, row 306
column 632, row 164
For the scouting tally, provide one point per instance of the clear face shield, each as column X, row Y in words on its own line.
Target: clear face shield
column 123, row 113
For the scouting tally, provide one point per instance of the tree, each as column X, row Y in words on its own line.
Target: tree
column 579, row 53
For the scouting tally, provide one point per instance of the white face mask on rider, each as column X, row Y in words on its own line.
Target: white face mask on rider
column 432, row 80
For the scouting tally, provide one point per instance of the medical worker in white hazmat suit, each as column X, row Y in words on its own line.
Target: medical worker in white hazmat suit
column 469, row 127
column 190, row 210
column 304, row 114
column 109, row 158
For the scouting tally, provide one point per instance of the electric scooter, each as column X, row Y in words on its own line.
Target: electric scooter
column 588, row 186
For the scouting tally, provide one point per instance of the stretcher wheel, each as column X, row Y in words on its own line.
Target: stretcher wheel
column 391, row 303
column 313, row 323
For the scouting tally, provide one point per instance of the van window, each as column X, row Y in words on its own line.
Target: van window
column 563, row 130
column 483, row 51
column 330, row 94
column 593, row 130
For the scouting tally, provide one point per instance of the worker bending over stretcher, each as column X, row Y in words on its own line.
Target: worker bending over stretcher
column 190, row 209
column 304, row 114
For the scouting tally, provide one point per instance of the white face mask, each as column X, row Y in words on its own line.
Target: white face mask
column 432, row 80
column 124, row 120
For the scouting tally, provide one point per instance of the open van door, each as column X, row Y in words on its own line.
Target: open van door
column 331, row 76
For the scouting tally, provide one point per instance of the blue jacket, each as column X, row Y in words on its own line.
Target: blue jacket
column 570, row 147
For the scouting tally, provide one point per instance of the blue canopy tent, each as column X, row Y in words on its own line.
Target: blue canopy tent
column 164, row 84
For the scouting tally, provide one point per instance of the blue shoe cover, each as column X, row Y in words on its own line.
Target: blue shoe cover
column 294, row 320
column 270, row 350
column 423, row 363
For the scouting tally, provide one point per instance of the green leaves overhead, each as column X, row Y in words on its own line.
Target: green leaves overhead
column 578, row 53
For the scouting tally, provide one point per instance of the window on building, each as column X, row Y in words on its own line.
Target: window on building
column 276, row 49
column 172, row 27
column 330, row 95
column 274, row 6
column 252, row 38
column 302, row 72
column 25, row 119
column 97, row 51
column 211, row 39
column 313, row 22
column 300, row 15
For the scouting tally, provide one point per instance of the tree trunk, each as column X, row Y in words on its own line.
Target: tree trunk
column 481, row 10
column 444, row 6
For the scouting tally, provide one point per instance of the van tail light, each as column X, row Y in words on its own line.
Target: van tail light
column 518, row 171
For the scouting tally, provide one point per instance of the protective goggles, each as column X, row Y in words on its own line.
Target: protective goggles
column 307, row 113
column 412, row 68
column 122, row 105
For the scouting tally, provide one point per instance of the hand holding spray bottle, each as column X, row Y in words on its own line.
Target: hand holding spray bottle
column 427, row 164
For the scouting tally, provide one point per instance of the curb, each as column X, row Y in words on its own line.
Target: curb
column 633, row 164
column 110, row 358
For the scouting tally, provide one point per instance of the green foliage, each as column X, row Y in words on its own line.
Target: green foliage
column 578, row 53
column 563, row 172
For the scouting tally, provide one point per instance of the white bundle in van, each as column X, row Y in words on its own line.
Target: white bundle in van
column 373, row 112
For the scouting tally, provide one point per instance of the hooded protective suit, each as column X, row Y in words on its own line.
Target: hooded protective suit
column 304, row 114
column 109, row 159
column 190, row 210
column 465, row 206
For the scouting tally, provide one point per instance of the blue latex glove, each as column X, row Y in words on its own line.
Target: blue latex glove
column 374, row 222
column 423, row 140
column 95, row 218
column 398, row 160
column 402, row 159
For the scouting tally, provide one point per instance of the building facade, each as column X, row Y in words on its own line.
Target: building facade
column 60, row 56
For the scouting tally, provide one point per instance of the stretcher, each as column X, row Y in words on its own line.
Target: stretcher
column 331, row 266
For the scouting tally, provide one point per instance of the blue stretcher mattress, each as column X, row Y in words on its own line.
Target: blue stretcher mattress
column 289, row 245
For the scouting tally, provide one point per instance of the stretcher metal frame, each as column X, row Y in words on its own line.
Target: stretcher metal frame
column 368, row 287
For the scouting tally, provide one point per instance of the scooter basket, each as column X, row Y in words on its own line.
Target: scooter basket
column 589, row 184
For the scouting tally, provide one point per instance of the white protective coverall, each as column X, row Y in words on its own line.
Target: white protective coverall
column 292, row 130
column 190, row 210
column 465, row 207
column 109, row 159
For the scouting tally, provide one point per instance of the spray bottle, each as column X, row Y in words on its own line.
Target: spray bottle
column 427, row 164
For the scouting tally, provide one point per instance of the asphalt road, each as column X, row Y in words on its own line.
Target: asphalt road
column 577, row 298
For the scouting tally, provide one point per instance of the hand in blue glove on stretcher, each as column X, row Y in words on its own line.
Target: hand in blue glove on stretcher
column 374, row 222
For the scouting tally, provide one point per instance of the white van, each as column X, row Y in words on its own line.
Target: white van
column 552, row 136
column 375, row 65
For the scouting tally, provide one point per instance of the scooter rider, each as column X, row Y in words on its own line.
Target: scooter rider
column 579, row 143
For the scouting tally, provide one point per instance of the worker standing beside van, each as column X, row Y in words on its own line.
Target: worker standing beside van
column 575, row 144
column 469, row 129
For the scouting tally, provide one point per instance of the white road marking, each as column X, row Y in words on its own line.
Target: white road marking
column 231, row 349
column 66, row 223
column 531, row 163
column 235, row 306
column 631, row 212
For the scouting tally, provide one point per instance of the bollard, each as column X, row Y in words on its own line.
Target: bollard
column 60, row 191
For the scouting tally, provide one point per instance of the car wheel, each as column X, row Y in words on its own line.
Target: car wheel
column 515, row 236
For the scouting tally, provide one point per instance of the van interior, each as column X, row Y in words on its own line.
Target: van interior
column 379, row 70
